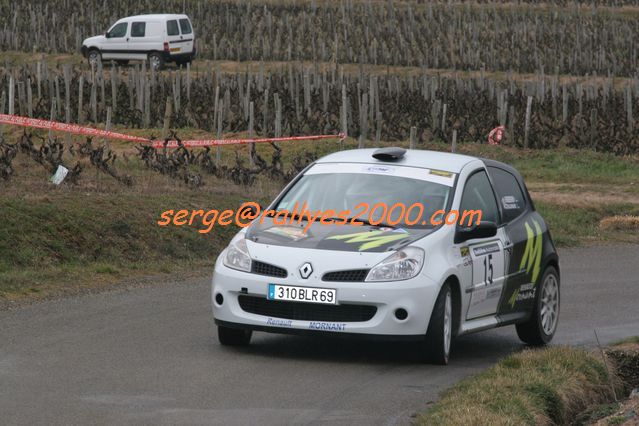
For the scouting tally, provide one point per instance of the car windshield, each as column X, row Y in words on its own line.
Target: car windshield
column 346, row 191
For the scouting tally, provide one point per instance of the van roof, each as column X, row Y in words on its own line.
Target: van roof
column 156, row 16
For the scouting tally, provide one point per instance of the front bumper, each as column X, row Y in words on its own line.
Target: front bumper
column 417, row 296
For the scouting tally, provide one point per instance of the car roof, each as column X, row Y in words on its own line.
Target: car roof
column 155, row 16
column 412, row 158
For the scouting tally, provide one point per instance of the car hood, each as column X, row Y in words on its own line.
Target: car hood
column 93, row 40
column 351, row 238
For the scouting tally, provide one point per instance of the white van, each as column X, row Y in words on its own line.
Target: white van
column 156, row 38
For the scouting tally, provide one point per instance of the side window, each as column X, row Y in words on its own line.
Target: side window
column 138, row 29
column 172, row 28
column 119, row 30
column 185, row 26
column 478, row 195
column 511, row 197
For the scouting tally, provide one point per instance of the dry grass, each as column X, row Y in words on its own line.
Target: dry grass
column 537, row 387
column 620, row 223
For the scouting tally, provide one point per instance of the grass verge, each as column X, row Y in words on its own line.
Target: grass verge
column 70, row 240
column 533, row 387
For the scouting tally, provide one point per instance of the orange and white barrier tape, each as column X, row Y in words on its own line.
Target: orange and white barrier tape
column 218, row 142
column 89, row 131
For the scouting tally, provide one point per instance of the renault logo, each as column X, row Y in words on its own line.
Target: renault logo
column 306, row 270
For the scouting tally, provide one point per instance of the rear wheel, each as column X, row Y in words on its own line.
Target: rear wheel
column 440, row 328
column 94, row 57
column 156, row 61
column 233, row 336
column 541, row 326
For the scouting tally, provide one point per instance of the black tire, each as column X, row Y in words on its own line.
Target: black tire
column 233, row 336
column 436, row 349
column 534, row 331
column 156, row 61
column 94, row 57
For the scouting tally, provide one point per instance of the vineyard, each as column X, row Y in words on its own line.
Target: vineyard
column 568, row 38
column 560, row 74
column 299, row 99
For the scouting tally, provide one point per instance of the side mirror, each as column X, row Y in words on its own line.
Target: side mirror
column 483, row 230
column 106, row 35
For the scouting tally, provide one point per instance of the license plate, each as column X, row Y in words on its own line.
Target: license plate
column 327, row 296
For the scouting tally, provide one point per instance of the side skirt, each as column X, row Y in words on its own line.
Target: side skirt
column 493, row 321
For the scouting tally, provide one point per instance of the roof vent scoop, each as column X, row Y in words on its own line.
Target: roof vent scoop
column 389, row 154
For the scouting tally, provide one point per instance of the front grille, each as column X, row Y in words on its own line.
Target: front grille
column 262, row 268
column 306, row 311
column 353, row 275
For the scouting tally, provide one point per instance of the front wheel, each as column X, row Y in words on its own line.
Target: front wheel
column 233, row 336
column 94, row 57
column 156, row 61
column 440, row 328
column 541, row 326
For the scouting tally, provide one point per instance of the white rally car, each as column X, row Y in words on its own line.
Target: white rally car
column 414, row 277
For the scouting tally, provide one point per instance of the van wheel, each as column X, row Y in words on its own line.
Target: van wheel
column 440, row 328
column 233, row 336
column 94, row 57
column 156, row 61
column 541, row 326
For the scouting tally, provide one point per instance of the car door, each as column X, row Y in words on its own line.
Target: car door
column 116, row 43
column 138, row 41
column 485, row 256
column 523, row 242
column 187, row 38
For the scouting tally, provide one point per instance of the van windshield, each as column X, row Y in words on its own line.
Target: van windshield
column 185, row 26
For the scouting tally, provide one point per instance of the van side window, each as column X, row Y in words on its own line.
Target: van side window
column 510, row 195
column 119, row 30
column 185, row 26
column 172, row 28
column 138, row 29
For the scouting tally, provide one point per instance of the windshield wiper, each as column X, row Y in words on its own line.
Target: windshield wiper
column 365, row 222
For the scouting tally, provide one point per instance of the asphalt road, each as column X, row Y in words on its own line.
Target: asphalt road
column 150, row 356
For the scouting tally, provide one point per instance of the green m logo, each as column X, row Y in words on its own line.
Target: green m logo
column 370, row 239
column 531, row 260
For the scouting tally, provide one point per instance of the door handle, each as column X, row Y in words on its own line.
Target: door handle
column 127, row 39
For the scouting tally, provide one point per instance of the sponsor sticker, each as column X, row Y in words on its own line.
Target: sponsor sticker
column 379, row 169
column 327, row 326
column 277, row 322
column 509, row 202
column 441, row 173
column 524, row 292
column 487, row 249
column 293, row 233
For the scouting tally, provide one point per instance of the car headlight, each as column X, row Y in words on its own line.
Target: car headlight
column 237, row 255
column 403, row 265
